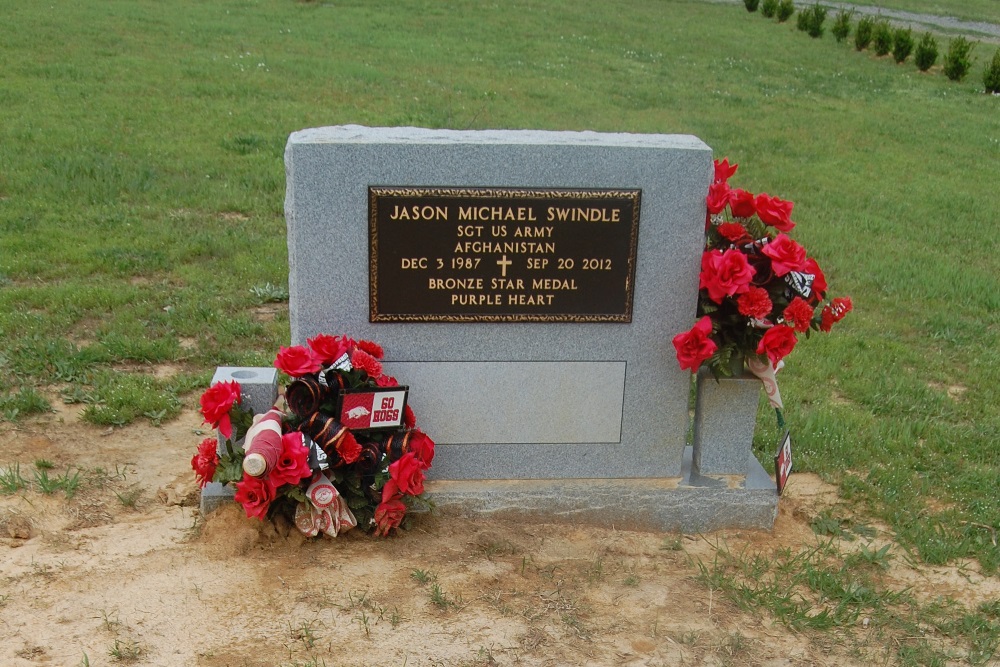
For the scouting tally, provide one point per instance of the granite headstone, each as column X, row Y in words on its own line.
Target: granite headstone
column 525, row 285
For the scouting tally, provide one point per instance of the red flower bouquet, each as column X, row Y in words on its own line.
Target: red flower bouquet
column 302, row 461
column 758, row 289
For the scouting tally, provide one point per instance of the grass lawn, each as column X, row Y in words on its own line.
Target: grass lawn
column 142, row 185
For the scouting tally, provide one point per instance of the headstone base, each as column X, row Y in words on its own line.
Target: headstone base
column 691, row 503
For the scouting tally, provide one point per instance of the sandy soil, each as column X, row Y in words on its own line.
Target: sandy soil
column 127, row 571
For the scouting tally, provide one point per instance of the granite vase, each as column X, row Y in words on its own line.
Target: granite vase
column 725, row 415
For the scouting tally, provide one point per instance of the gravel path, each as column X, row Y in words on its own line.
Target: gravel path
column 973, row 29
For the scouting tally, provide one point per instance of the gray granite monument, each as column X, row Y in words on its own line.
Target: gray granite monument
column 525, row 285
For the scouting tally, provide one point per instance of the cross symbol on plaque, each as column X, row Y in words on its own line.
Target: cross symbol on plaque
column 503, row 263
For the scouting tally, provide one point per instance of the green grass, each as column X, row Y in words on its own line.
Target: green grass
column 422, row 577
column 26, row 401
column 11, row 480
column 142, row 186
column 125, row 650
column 826, row 588
column 439, row 598
column 49, row 484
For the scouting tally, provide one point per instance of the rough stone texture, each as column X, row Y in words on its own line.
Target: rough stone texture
column 326, row 206
column 258, row 390
column 725, row 414
column 691, row 503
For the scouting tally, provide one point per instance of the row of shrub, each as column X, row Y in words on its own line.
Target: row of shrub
column 883, row 39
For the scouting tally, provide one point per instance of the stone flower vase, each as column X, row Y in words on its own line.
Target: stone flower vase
column 725, row 414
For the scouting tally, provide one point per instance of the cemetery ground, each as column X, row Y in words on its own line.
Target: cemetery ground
column 142, row 244
column 105, row 560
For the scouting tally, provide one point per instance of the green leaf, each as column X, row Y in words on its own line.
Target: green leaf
column 229, row 470
column 241, row 419
column 295, row 492
column 356, row 502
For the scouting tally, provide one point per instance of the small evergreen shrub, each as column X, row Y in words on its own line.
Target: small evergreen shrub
column 769, row 8
column 842, row 25
column 816, row 17
column 751, row 5
column 803, row 19
column 785, row 10
column 902, row 44
column 958, row 61
column 863, row 33
column 811, row 20
column 926, row 53
column 882, row 37
column 991, row 75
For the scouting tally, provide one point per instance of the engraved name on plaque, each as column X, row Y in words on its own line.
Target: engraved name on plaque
column 502, row 254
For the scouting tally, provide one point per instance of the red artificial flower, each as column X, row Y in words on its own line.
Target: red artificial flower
column 216, row 403
column 718, row 197
column 734, row 232
column 786, row 255
column 205, row 461
column 798, row 314
column 777, row 343
column 723, row 170
column 329, row 348
column 297, row 361
column 694, row 346
column 371, row 348
column 756, row 303
column 389, row 513
column 361, row 360
column 741, row 203
column 386, row 381
column 819, row 280
column 775, row 212
column 725, row 274
column 835, row 311
column 390, row 490
column 409, row 419
column 255, row 494
column 348, row 448
column 293, row 462
column 408, row 473
column 422, row 447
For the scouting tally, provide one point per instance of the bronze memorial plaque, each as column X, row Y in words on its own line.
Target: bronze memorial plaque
column 502, row 254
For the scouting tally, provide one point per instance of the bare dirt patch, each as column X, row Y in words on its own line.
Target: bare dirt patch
column 126, row 577
column 270, row 311
column 954, row 391
column 166, row 371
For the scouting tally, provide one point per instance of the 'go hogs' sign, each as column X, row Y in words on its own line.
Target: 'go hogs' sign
column 373, row 409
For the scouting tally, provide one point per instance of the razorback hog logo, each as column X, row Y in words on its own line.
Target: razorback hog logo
column 358, row 412
column 382, row 408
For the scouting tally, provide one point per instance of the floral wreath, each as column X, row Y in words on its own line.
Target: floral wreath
column 328, row 457
column 758, row 289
